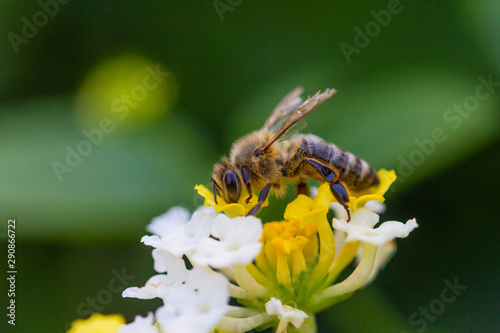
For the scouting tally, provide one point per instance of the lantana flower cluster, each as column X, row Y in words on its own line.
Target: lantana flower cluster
column 221, row 271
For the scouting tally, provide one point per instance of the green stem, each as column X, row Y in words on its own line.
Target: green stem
column 240, row 312
column 248, row 283
column 237, row 292
column 356, row 280
column 241, row 325
column 345, row 257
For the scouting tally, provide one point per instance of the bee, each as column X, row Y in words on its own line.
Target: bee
column 263, row 160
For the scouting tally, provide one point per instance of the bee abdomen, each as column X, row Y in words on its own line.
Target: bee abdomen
column 355, row 172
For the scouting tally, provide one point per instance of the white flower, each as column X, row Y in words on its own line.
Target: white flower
column 372, row 205
column 197, row 305
column 360, row 228
column 339, row 211
column 285, row 313
column 165, row 261
column 375, row 206
column 172, row 221
column 160, row 284
column 237, row 241
column 140, row 325
column 155, row 287
column 177, row 235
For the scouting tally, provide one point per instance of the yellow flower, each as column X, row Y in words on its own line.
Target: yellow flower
column 288, row 251
column 359, row 199
column 313, row 212
column 308, row 210
column 98, row 323
column 239, row 208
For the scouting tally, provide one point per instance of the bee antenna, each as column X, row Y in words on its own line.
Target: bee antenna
column 214, row 189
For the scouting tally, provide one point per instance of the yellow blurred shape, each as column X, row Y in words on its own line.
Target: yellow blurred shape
column 129, row 90
column 98, row 323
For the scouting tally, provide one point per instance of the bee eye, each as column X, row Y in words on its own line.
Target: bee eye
column 232, row 185
column 230, row 180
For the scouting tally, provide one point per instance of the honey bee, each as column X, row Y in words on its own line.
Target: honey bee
column 262, row 160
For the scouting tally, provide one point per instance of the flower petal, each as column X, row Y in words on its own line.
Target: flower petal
column 324, row 197
column 183, row 240
column 237, row 242
column 308, row 210
column 375, row 206
column 197, row 305
column 164, row 261
column 239, row 208
column 285, row 313
column 386, row 178
column 298, row 208
column 155, row 287
column 361, row 229
column 140, row 325
column 172, row 221
column 160, row 284
column 233, row 209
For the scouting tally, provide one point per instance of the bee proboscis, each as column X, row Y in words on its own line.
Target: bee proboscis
column 259, row 160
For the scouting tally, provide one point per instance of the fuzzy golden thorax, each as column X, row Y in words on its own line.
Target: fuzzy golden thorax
column 265, row 167
column 247, row 157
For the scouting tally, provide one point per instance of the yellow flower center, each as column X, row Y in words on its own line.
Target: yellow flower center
column 288, row 251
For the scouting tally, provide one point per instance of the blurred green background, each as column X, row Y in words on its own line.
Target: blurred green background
column 89, row 62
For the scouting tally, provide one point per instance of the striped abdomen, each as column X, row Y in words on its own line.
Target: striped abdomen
column 356, row 173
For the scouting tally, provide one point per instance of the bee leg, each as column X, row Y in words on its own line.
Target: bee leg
column 340, row 193
column 337, row 188
column 262, row 197
column 246, row 180
column 302, row 188
column 215, row 189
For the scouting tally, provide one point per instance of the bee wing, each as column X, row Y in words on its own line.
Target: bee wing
column 288, row 104
column 307, row 106
column 297, row 127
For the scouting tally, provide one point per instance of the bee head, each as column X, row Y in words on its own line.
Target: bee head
column 226, row 180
